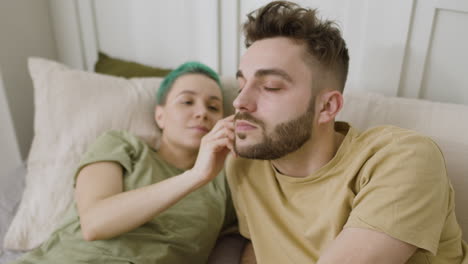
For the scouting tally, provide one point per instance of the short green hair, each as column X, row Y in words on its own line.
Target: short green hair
column 186, row 68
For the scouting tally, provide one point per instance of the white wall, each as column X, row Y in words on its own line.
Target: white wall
column 10, row 157
column 158, row 33
column 166, row 33
column 178, row 32
column 409, row 48
column 435, row 65
column 406, row 48
column 25, row 30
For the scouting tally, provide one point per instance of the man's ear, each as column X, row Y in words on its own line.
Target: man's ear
column 159, row 114
column 331, row 103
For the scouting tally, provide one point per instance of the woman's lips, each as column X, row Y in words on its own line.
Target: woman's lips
column 201, row 129
column 243, row 126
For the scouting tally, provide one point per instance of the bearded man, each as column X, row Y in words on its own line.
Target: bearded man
column 308, row 189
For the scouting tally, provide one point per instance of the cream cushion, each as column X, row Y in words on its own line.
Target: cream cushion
column 72, row 108
column 446, row 124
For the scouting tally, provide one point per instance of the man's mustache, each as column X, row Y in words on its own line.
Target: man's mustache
column 248, row 117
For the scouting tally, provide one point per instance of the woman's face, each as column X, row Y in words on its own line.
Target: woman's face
column 193, row 105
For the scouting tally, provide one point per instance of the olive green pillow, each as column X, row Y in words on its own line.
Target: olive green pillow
column 127, row 69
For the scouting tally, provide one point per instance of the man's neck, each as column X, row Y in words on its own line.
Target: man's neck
column 313, row 155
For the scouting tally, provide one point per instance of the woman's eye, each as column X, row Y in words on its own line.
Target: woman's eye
column 187, row 102
column 271, row 89
column 213, row 108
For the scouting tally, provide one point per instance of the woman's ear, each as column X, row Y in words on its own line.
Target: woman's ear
column 159, row 115
column 331, row 102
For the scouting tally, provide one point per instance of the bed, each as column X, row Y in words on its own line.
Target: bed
column 34, row 200
column 444, row 122
column 80, row 22
column 11, row 188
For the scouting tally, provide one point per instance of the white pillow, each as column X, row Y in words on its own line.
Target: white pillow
column 72, row 108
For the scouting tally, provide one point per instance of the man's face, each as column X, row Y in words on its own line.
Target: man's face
column 275, row 105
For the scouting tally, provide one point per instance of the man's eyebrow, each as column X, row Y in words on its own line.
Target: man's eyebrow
column 265, row 72
column 277, row 72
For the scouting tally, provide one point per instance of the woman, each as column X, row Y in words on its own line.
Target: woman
column 138, row 205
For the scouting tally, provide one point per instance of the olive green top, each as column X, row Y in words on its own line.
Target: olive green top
column 184, row 233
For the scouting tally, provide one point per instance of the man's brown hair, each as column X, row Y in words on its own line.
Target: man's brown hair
column 322, row 37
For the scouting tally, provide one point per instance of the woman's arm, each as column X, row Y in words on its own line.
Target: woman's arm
column 106, row 211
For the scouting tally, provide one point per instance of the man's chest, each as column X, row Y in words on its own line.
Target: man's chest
column 295, row 222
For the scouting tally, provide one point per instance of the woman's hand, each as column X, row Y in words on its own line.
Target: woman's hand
column 107, row 211
column 214, row 148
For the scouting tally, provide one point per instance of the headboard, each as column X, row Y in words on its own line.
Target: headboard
column 9, row 152
column 397, row 48
column 157, row 33
column 416, row 51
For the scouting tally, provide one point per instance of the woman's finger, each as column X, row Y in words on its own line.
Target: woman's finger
column 222, row 133
column 220, row 144
column 226, row 122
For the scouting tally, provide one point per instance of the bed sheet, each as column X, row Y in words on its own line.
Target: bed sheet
column 11, row 190
column 227, row 250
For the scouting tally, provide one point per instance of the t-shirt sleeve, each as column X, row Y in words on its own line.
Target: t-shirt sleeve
column 236, row 196
column 404, row 192
column 114, row 146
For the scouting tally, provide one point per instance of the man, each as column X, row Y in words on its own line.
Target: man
column 308, row 189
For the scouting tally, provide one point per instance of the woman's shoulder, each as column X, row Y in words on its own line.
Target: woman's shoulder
column 120, row 137
column 118, row 141
column 116, row 145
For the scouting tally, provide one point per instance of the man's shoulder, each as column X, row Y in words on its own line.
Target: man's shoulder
column 387, row 135
column 388, row 130
column 391, row 146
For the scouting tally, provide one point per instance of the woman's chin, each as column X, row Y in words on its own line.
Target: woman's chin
column 193, row 144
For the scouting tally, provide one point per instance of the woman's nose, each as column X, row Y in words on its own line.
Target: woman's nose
column 201, row 112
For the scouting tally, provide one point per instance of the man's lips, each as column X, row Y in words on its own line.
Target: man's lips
column 244, row 126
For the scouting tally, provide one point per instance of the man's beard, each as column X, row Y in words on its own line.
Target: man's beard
column 286, row 137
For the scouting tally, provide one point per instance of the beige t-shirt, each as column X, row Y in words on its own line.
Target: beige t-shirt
column 386, row 179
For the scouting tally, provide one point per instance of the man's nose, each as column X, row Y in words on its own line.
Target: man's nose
column 245, row 100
